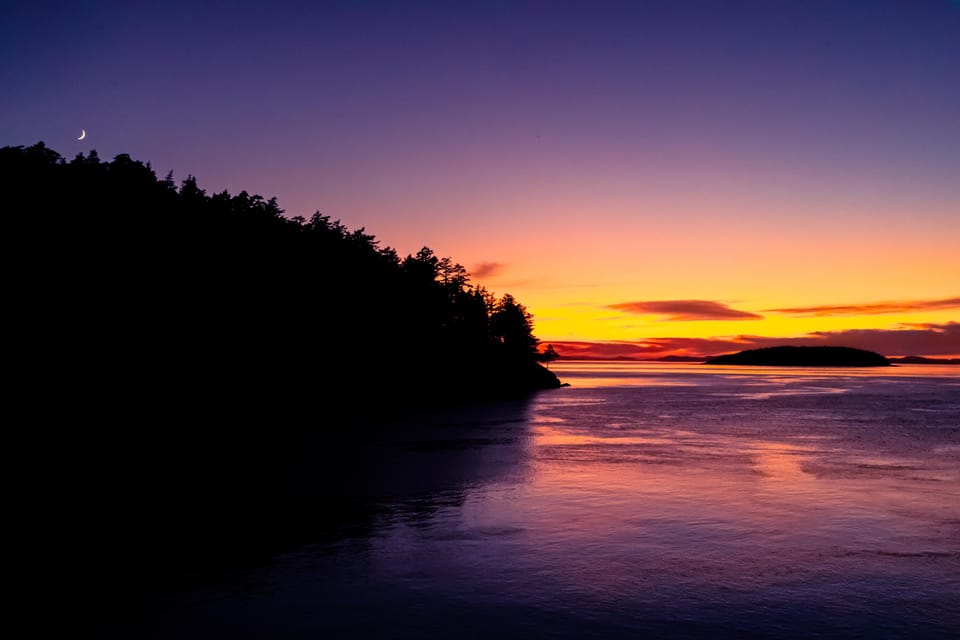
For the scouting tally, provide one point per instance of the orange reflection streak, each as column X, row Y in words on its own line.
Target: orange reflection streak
column 554, row 436
column 678, row 500
column 782, row 463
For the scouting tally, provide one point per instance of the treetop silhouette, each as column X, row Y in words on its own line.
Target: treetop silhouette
column 231, row 299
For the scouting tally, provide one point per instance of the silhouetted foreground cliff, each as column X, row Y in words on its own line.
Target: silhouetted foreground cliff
column 804, row 357
column 174, row 346
column 176, row 292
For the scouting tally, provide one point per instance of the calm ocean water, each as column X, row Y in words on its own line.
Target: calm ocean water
column 645, row 500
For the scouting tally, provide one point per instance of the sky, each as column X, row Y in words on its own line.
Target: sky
column 648, row 178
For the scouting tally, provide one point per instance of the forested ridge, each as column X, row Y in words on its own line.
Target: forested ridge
column 177, row 293
column 172, row 351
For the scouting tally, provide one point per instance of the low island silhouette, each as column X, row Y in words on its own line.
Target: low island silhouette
column 788, row 356
column 924, row 360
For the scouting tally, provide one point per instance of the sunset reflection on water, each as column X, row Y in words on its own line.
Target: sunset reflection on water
column 649, row 500
column 731, row 490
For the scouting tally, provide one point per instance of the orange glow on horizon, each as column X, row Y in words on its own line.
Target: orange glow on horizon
column 573, row 276
column 570, row 250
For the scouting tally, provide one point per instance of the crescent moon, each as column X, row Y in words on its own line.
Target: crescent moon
column 83, row 134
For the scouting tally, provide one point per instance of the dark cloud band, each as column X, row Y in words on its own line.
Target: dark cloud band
column 873, row 308
column 915, row 339
column 683, row 310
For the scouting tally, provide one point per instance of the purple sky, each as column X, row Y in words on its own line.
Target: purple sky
column 491, row 130
column 345, row 106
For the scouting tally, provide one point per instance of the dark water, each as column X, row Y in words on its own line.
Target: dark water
column 642, row 501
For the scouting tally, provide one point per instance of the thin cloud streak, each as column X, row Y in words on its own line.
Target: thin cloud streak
column 683, row 310
column 922, row 340
column 487, row 269
column 872, row 308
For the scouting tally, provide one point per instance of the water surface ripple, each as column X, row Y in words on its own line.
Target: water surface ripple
column 656, row 500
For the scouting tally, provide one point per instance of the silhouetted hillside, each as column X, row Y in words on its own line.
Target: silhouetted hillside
column 174, row 346
column 177, row 292
column 804, row 357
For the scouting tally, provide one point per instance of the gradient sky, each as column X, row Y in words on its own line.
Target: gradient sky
column 647, row 177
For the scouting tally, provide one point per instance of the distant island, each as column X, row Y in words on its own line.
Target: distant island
column 924, row 360
column 804, row 357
